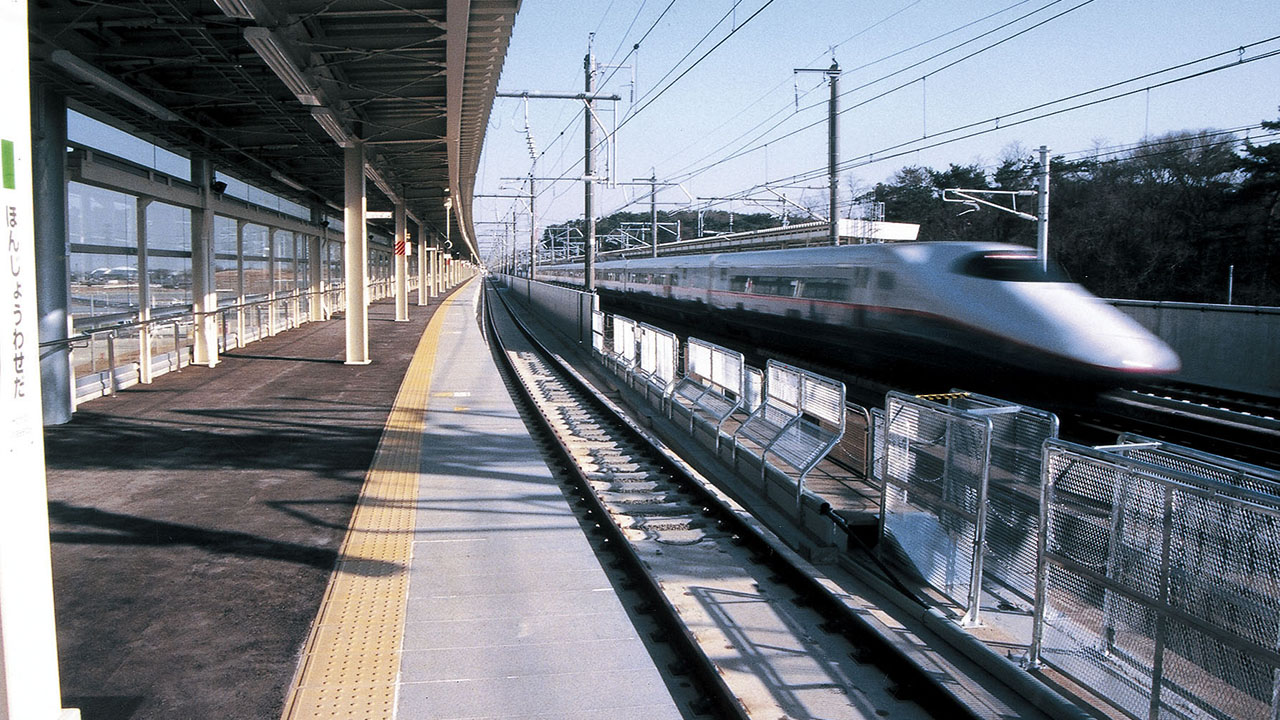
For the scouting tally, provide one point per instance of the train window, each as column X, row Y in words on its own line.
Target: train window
column 1009, row 267
column 782, row 287
column 860, row 276
column 740, row 283
column 824, row 289
column 885, row 280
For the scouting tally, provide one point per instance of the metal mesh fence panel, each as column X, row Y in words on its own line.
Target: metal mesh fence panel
column 754, row 389
column 658, row 354
column 1013, row 492
column 934, row 496
column 877, row 448
column 824, row 398
column 1200, row 464
column 697, row 358
column 597, row 332
column 726, row 370
column 784, row 384
column 1161, row 589
column 624, row 341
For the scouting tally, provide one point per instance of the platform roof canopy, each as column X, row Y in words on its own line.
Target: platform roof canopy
column 272, row 89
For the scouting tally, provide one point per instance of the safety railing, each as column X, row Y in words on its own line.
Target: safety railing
column 1158, row 586
column 800, row 419
column 934, row 502
column 712, row 385
column 164, row 342
column 854, row 451
column 1198, row 463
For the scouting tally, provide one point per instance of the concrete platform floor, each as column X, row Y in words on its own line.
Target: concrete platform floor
column 195, row 521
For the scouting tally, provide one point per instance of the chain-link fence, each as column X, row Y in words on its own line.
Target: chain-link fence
column 1013, row 493
column 934, row 502
column 1159, row 587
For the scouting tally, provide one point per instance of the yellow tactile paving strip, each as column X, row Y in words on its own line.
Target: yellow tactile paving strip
column 352, row 658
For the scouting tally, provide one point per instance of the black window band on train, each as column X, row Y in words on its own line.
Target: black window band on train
column 1009, row 267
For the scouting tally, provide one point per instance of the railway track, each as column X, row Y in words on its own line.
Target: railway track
column 759, row 634
column 1238, row 426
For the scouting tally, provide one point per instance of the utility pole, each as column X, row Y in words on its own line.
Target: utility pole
column 833, row 146
column 533, row 229
column 588, row 177
column 1042, row 214
column 653, row 209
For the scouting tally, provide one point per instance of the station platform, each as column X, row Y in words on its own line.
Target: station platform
column 197, row 523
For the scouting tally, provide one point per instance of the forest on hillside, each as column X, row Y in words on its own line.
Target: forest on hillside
column 1170, row 219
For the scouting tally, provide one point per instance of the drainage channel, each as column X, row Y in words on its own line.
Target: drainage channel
column 759, row 636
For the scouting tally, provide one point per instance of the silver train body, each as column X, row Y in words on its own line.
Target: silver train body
column 987, row 306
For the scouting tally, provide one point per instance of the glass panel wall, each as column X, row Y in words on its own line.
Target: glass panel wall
column 169, row 277
column 102, row 230
column 257, row 280
column 226, row 274
column 283, row 284
column 303, row 267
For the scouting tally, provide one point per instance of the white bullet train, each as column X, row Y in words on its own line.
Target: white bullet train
column 983, row 306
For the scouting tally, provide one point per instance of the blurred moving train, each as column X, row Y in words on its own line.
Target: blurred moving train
column 984, row 307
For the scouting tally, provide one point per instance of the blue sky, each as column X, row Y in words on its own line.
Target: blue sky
column 728, row 102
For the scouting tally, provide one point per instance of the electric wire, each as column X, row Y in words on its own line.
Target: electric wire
column 787, row 105
column 909, row 147
column 684, row 173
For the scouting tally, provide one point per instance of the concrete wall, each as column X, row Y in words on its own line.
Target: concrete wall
column 570, row 308
column 1235, row 347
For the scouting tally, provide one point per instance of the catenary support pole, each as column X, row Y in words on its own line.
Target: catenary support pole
column 653, row 210
column 356, row 256
column 833, row 150
column 588, row 179
column 1042, row 213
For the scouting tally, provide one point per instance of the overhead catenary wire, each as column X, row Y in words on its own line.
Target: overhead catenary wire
column 871, row 63
column 685, row 173
column 912, row 146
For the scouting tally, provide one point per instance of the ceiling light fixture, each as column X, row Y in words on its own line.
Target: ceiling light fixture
column 277, row 57
column 327, row 120
column 236, row 9
column 100, row 79
column 381, row 184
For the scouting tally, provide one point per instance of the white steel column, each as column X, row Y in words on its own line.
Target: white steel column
column 402, row 264
column 316, row 286
column 28, row 641
column 424, row 277
column 204, row 290
column 357, row 256
column 240, row 313
column 144, row 293
column 271, row 280
column 431, row 272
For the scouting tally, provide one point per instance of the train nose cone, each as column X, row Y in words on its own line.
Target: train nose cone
column 1143, row 355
